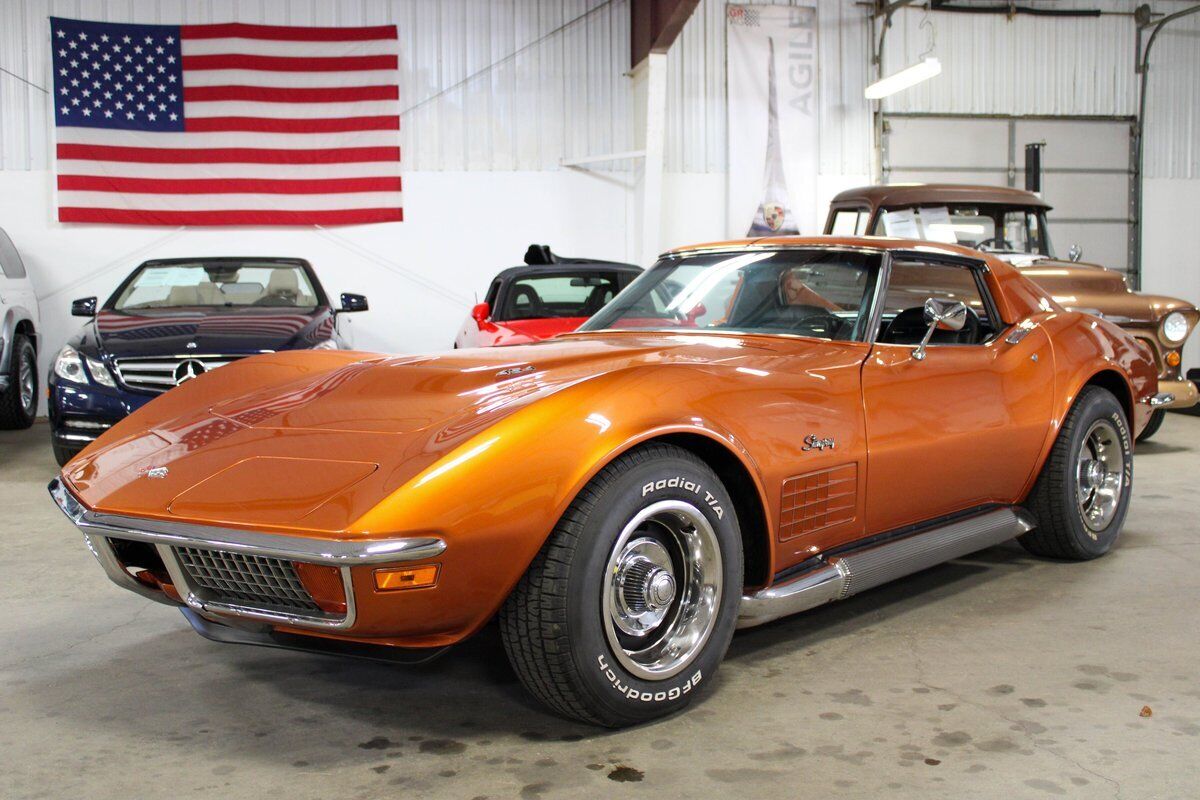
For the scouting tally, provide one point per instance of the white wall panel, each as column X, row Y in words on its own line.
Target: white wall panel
column 557, row 92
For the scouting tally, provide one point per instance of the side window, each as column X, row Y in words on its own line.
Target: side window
column 10, row 259
column 492, row 291
column 850, row 222
column 912, row 283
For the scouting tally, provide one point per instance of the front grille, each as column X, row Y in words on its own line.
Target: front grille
column 159, row 373
column 239, row 579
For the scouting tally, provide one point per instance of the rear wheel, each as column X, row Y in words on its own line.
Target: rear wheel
column 1082, row 495
column 631, row 603
column 18, row 404
column 1156, row 421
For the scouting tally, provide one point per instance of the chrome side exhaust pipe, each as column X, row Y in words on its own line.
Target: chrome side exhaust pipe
column 849, row 574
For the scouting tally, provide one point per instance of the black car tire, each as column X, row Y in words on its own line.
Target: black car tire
column 559, row 623
column 1060, row 495
column 1156, row 421
column 64, row 453
column 18, row 410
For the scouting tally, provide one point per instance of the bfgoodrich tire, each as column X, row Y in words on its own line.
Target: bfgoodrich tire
column 629, row 607
column 18, row 404
column 1082, row 495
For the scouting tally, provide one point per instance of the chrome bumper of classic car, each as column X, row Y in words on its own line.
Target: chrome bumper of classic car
column 202, row 561
column 1183, row 394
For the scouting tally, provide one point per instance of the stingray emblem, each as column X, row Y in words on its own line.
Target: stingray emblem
column 505, row 373
column 157, row 472
column 814, row 442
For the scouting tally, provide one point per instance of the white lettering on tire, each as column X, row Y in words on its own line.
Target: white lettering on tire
column 632, row 693
column 688, row 486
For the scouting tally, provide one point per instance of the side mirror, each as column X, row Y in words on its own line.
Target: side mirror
column 940, row 315
column 353, row 302
column 480, row 312
column 83, row 307
column 1075, row 253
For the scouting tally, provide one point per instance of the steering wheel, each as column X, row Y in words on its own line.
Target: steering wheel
column 1000, row 242
column 830, row 322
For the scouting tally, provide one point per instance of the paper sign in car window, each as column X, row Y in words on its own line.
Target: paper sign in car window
column 902, row 224
column 167, row 276
column 938, row 227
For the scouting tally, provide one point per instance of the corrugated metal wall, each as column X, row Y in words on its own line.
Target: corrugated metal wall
column 559, row 91
column 696, row 119
column 1059, row 66
column 1172, row 148
column 562, row 92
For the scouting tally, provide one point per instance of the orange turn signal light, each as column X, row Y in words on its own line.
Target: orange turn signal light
column 396, row 578
column 1173, row 358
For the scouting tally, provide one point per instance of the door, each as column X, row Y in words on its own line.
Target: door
column 962, row 427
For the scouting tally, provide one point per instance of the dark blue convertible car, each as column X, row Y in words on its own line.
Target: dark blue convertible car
column 174, row 319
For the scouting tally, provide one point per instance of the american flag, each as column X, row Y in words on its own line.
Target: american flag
column 228, row 124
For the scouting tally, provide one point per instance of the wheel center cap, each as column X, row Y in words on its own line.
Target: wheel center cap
column 1096, row 474
column 660, row 589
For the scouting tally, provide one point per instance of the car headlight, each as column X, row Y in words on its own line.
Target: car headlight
column 100, row 373
column 325, row 344
column 69, row 366
column 1174, row 327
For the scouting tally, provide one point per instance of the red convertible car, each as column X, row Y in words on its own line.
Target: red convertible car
column 548, row 295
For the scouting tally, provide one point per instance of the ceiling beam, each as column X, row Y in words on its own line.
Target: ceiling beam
column 655, row 24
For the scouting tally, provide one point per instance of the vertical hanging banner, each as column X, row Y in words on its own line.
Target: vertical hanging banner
column 774, row 132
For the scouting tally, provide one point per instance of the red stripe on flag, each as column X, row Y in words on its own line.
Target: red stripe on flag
column 100, row 183
column 288, row 64
column 242, row 30
column 121, row 216
column 227, row 155
column 269, row 94
column 273, row 125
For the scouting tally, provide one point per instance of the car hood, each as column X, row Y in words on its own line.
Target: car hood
column 212, row 331
column 1092, row 288
column 347, row 436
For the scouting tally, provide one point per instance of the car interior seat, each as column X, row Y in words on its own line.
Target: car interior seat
column 909, row 327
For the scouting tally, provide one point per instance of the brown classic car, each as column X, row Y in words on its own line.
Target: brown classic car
column 1011, row 224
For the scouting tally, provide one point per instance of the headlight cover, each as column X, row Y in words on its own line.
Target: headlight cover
column 325, row 344
column 100, row 373
column 69, row 366
column 1174, row 327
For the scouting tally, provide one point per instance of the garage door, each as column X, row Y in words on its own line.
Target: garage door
column 1086, row 169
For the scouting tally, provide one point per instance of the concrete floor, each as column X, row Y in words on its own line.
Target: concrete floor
column 996, row 676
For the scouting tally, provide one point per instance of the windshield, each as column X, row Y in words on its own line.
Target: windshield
column 986, row 227
column 819, row 293
column 560, row 295
column 217, row 284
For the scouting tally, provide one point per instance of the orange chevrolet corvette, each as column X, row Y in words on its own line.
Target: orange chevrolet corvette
column 749, row 430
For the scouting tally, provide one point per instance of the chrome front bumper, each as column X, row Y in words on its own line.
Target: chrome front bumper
column 98, row 528
column 1184, row 393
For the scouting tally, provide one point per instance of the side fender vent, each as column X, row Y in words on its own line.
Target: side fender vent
column 817, row 500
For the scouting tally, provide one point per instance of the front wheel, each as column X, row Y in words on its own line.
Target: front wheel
column 1082, row 494
column 18, row 405
column 1156, row 421
column 630, row 605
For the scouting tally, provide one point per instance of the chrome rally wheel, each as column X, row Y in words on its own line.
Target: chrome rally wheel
column 1082, row 494
column 662, row 589
column 1100, row 475
column 627, row 610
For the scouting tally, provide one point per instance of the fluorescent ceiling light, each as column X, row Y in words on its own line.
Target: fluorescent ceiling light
column 923, row 70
